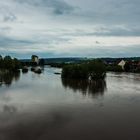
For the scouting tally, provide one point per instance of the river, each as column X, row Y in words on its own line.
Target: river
column 45, row 107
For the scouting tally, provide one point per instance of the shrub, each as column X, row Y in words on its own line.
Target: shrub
column 114, row 68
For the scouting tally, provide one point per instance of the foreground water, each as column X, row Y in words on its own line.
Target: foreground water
column 44, row 107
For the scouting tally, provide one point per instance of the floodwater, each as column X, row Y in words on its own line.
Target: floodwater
column 44, row 107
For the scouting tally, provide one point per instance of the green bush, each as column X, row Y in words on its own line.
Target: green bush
column 114, row 68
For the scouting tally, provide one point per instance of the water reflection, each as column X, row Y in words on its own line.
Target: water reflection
column 7, row 78
column 86, row 87
column 9, row 109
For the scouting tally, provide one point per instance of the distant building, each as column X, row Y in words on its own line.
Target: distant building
column 122, row 64
column 35, row 59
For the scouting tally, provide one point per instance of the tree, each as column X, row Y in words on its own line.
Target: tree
column 93, row 70
column 42, row 62
column 8, row 63
column 97, row 69
column 1, row 61
column 16, row 63
column 127, row 67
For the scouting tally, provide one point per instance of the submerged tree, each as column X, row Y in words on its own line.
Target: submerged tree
column 96, row 69
column 90, row 70
column 7, row 63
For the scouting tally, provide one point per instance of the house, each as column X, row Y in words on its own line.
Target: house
column 138, row 65
column 122, row 64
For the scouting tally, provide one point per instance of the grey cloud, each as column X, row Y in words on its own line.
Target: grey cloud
column 116, row 32
column 7, row 14
column 9, row 17
column 58, row 7
column 4, row 30
column 103, row 52
column 104, row 31
column 109, row 11
column 9, row 42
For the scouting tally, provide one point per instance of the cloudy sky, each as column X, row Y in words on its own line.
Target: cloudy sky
column 70, row 28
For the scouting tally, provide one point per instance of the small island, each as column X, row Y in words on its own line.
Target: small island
column 91, row 70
